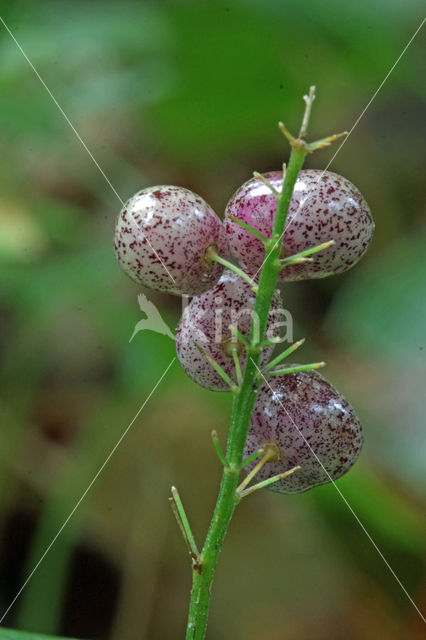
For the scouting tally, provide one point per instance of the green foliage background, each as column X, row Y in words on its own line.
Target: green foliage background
column 189, row 93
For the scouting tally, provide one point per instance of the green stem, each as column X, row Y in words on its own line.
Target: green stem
column 216, row 444
column 238, row 371
column 183, row 522
column 254, row 456
column 284, row 354
column 306, row 252
column 268, row 481
column 217, row 368
column 299, row 367
column 243, row 404
column 248, row 227
column 212, row 255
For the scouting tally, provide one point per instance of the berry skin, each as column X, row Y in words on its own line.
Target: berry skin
column 305, row 400
column 166, row 230
column 324, row 206
column 206, row 320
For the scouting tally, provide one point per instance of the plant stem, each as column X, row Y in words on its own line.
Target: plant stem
column 216, row 444
column 283, row 354
column 182, row 520
column 299, row 367
column 243, row 404
column 268, row 481
column 248, row 227
column 306, row 252
column 213, row 255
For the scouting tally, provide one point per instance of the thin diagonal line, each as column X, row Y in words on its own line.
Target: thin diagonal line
column 377, row 91
column 92, row 482
column 344, row 499
column 78, row 136
column 350, row 132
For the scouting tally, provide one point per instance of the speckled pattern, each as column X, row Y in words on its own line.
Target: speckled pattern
column 175, row 226
column 324, row 206
column 323, row 416
column 206, row 321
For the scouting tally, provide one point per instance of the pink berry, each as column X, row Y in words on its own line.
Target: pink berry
column 206, row 320
column 161, row 239
column 299, row 408
column 324, row 206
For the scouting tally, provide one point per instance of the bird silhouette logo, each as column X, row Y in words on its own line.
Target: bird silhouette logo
column 153, row 320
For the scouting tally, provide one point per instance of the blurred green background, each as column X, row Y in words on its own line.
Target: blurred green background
column 189, row 93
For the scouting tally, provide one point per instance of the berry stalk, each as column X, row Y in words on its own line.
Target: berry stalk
column 243, row 402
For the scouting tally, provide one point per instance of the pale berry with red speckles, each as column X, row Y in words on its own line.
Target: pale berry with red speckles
column 299, row 408
column 206, row 320
column 161, row 237
column 324, row 206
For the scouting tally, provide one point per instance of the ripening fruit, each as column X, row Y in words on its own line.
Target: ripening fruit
column 206, row 320
column 161, row 239
column 299, row 408
column 324, row 206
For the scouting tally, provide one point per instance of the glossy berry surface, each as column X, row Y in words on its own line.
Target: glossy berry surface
column 206, row 320
column 302, row 405
column 324, row 206
column 161, row 237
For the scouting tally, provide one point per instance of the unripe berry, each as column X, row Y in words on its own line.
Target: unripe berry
column 324, row 206
column 299, row 408
column 161, row 239
column 206, row 320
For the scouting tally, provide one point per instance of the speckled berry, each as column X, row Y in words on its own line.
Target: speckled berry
column 161, row 238
column 206, row 320
column 324, row 206
column 299, row 408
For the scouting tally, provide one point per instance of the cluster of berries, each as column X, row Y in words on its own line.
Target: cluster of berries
column 168, row 238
